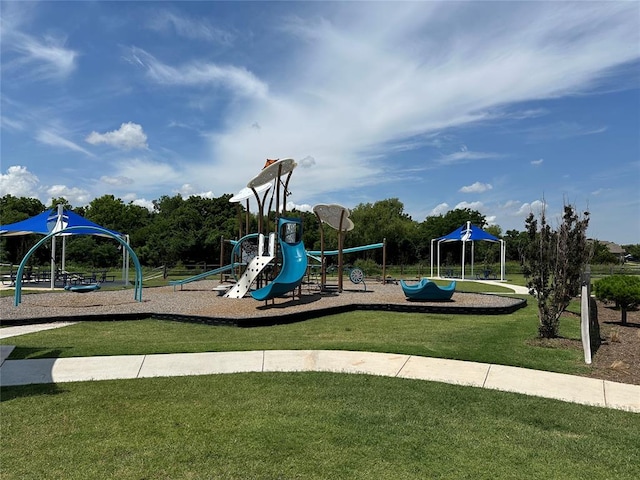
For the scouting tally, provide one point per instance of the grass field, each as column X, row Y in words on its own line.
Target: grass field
column 310, row 425
column 498, row 339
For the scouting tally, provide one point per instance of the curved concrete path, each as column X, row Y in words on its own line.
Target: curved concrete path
column 568, row 388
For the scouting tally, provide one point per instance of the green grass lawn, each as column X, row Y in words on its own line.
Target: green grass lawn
column 499, row 339
column 310, row 425
column 306, row 425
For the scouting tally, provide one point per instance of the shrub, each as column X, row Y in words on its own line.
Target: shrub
column 624, row 290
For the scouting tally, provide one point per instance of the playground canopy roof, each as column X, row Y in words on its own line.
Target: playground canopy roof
column 50, row 221
column 468, row 233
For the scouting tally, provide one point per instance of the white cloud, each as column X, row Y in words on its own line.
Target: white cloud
column 75, row 195
column 440, row 209
column 510, row 204
column 128, row 136
column 236, row 79
column 19, row 182
column 57, row 59
column 479, row 206
column 303, row 207
column 187, row 190
column 39, row 57
column 534, row 207
column 476, row 187
column 141, row 202
column 561, row 131
column 11, row 124
column 55, row 139
column 391, row 86
column 148, row 174
column 193, row 28
column 116, row 181
column 464, row 155
column 537, row 163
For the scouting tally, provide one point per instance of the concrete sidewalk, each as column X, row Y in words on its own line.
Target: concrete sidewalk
column 8, row 332
column 568, row 388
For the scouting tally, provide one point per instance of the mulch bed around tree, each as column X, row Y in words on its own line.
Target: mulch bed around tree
column 618, row 358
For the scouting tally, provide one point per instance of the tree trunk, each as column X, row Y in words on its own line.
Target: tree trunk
column 623, row 310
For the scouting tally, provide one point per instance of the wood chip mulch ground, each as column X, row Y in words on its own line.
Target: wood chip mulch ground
column 618, row 358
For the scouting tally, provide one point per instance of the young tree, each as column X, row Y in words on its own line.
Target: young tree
column 622, row 289
column 553, row 262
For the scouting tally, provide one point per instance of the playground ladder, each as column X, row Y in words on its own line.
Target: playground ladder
column 257, row 264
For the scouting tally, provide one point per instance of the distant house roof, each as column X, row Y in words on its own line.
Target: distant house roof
column 614, row 248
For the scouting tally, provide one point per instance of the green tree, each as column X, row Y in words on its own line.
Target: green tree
column 189, row 231
column 12, row 210
column 383, row 219
column 602, row 255
column 622, row 289
column 55, row 201
column 553, row 263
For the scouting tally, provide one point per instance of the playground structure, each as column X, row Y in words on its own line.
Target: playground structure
column 255, row 267
column 337, row 217
column 294, row 261
column 289, row 247
column 85, row 288
column 276, row 262
column 85, row 230
column 428, row 291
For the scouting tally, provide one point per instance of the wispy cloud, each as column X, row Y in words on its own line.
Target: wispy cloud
column 465, row 156
column 194, row 74
column 11, row 124
column 33, row 57
column 116, row 181
column 384, row 93
column 537, row 163
column 561, row 131
column 193, row 28
column 55, row 139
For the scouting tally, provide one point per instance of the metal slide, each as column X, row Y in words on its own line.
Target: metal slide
column 200, row 276
column 257, row 265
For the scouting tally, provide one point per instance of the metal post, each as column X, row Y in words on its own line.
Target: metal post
column 585, row 314
column 384, row 260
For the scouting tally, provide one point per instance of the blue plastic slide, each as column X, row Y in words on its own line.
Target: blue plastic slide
column 294, row 261
column 200, row 276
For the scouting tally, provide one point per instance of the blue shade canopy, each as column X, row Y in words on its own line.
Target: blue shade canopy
column 468, row 233
column 50, row 221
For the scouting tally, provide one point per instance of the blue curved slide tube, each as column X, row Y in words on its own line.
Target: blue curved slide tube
column 294, row 264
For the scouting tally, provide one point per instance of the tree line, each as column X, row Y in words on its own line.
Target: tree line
column 189, row 231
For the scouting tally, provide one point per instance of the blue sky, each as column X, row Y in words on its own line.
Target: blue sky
column 495, row 106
